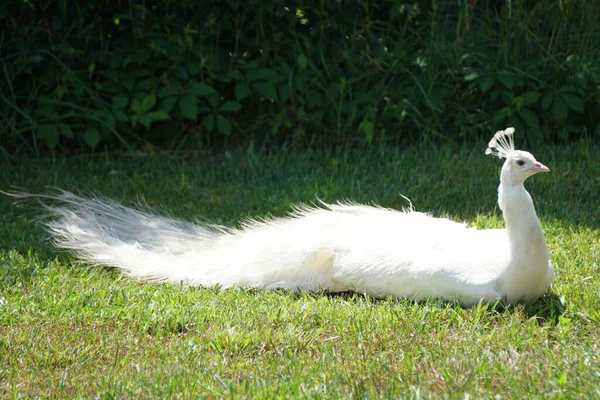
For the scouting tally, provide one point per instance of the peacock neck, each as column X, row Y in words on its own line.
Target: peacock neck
column 527, row 242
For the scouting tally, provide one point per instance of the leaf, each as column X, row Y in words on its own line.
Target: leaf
column 285, row 93
column 50, row 134
column 266, row 75
column 119, row 116
column 127, row 83
column 301, row 84
column 136, row 106
column 529, row 117
column 145, row 120
column 230, row 106
column 536, row 134
column 119, row 102
column 317, row 115
column 236, row 74
column 112, row 88
column 574, row 102
column 501, row 115
column 148, row 103
column 486, row 83
column 158, row 115
column 567, row 88
column 507, row 80
column 263, row 74
column 110, row 120
column 518, row 102
column 146, row 84
column 213, row 101
column 200, row 89
column 367, row 127
column 209, row 122
column 65, row 130
column 530, row 97
column 471, row 76
column 302, row 61
column 547, row 100
column 139, row 95
column 559, row 109
column 188, row 106
column 494, row 94
column 242, row 91
column 91, row 137
column 266, row 90
column 61, row 90
column 194, row 68
column 142, row 55
column 361, row 98
column 167, row 104
column 314, row 99
column 515, row 122
column 169, row 90
column 181, row 73
column 223, row 125
column 437, row 101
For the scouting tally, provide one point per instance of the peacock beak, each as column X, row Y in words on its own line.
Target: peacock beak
column 539, row 167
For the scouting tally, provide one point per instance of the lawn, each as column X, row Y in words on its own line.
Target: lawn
column 70, row 330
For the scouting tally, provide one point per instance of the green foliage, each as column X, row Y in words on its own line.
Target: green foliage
column 133, row 75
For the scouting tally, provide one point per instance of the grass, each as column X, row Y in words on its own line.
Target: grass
column 70, row 330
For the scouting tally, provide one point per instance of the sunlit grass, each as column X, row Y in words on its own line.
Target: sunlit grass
column 68, row 330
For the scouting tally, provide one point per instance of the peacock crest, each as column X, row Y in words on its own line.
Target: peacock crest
column 502, row 143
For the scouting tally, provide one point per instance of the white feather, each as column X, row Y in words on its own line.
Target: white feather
column 371, row 250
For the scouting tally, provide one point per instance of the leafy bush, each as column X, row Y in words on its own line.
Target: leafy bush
column 117, row 75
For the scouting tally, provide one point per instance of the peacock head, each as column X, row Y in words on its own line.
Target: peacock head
column 519, row 165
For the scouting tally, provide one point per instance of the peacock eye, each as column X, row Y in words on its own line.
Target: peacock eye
column 520, row 163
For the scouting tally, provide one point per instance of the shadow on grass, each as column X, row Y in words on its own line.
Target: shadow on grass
column 545, row 310
column 20, row 265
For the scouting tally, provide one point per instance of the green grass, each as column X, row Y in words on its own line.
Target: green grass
column 69, row 330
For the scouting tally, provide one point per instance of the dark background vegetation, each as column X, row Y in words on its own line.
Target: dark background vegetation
column 81, row 76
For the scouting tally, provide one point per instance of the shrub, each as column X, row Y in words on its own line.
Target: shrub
column 135, row 75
